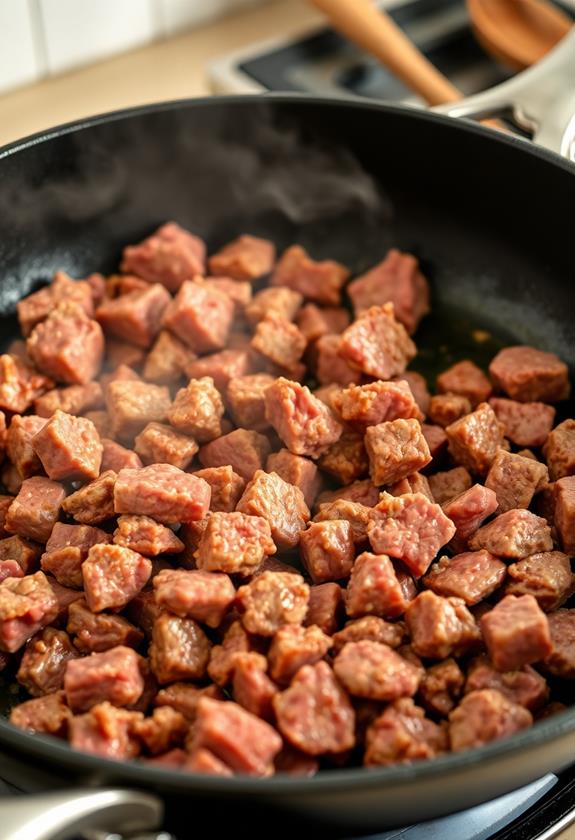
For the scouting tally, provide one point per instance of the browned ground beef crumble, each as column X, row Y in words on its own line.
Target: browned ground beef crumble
column 209, row 566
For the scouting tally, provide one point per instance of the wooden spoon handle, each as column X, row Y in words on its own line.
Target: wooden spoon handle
column 375, row 32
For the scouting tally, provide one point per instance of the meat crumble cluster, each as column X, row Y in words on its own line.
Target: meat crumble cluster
column 208, row 565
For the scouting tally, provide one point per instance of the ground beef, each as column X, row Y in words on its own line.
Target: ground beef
column 564, row 511
column 197, row 410
column 158, row 443
column 374, row 588
column 49, row 714
column 169, row 256
column 516, row 632
column 113, row 675
column 117, row 457
column 279, row 300
column 395, row 449
column 132, row 405
column 375, row 671
column 315, row 714
column 272, row 600
column 411, row 528
column 441, row 687
column 167, row 503
column 94, row 502
column 163, row 492
column 296, row 470
column 146, row 536
column 294, row 646
column 345, row 460
column 547, row 576
column 20, row 384
column 67, row 549
column 246, row 258
column 19, row 447
column 361, row 406
column 514, row 534
column 475, row 439
column 234, row 543
column 244, row 450
column 524, row 685
column 524, row 423
column 472, row 576
column 304, row 423
column 397, row 280
column 403, row 734
column 325, row 607
column 440, row 627
column 467, row 380
column 484, row 716
column 445, row 409
column 371, row 628
column 167, row 359
column 279, row 341
column 134, row 317
column 559, row 450
column 34, row 511
column 528, row 375
column 468, row 510
column 515, row 479
column 180, row 649
column 96, row 632
column 327, row 550
column 317, row 281
column 246, row 398
column 251, row 687
column 68, row 346
column 63, row 289
column 113, row 575
column 281, row 504
column 44, row 662
column 315, row 322
column 560, row 660
column 69, row 448
column 199, row 316
column 377, row 344
column 239, row 739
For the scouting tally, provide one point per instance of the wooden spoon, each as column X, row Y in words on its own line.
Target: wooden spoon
column 518, row 32
column 374, row 31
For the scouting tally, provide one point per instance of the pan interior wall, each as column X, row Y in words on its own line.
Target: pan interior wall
column 489, row 221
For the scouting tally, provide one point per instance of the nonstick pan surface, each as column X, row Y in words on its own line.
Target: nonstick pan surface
column 489, row 216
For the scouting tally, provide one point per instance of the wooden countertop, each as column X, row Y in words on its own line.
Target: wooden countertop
column 170, row 69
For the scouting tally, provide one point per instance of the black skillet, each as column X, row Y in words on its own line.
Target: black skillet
column 491, row 219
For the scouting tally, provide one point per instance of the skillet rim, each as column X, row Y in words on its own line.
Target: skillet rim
column 458, row 123
column 51, row 748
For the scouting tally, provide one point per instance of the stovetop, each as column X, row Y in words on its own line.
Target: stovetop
column 320, row 61
column 542, row 810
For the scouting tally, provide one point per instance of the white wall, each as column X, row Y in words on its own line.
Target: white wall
column 43, row 37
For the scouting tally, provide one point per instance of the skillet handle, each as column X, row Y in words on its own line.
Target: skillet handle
column 541, row 98
column 64, row 815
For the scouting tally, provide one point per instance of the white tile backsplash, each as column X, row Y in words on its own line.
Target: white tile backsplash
column 18, row 62
column 81, row 31
column 44, row 37
column 183, row 14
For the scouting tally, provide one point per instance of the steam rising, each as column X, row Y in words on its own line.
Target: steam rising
column 74, row 201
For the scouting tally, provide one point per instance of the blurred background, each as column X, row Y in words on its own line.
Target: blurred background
column 62, row 60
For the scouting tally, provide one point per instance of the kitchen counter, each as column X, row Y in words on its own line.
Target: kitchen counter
column 169, row 69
